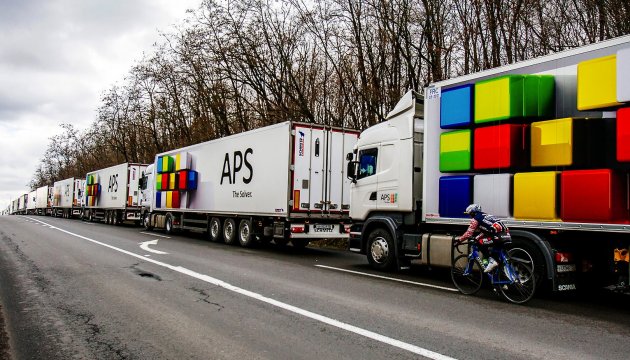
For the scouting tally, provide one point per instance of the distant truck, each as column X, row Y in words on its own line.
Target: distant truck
column 112, row 195
column 68, row 199
column 44, row 196
column 22, row 203
column 543, row 144
column 284, row 182
column 31, row 208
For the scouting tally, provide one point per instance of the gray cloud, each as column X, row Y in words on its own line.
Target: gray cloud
column 56, row 58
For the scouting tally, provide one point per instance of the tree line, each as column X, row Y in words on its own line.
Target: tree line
column 236, row 65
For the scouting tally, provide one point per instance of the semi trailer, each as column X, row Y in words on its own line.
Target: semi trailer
column 44, row 200
column 284, row 182
column 112, row 194
column 543, row 144
column 22, row 203
column 31, row 208
column 68, row 199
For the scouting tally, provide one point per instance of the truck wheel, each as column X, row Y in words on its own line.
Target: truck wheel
column 146, row 222
column 114, row 218
column 168, row 224
column 214, row 229
column 245, row 236
column 91, row 217
column 229, row 231
column 108, row 218
column 522, row 248
column 380, row 250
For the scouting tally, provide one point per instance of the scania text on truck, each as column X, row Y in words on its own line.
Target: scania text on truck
column 68, row 199
column 543, row 144
column 112, row 195
column 285, row 182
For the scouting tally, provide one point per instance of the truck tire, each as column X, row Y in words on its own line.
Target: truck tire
column 245, row 236
column 115, row 218
column 146, row 222
column 229, row 231
column 168, row 224
column 108, row 218
column 540, row 269
column 380, row 250
column 214, row 230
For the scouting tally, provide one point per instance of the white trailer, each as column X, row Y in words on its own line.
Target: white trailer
column 113, row 194
column 44, row 200
column 68, row 197
column 285, row 182
column 31, row 203
column 15, row 205
column 22, row 202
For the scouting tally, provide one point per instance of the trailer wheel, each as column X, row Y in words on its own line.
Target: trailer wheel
column 214, row 229
column 229, row 231
column 168, row 224
column 146, row 221
column 521, row 247
column 380, row 250
column 91, row 217
column 245, row 236
column 115, row 220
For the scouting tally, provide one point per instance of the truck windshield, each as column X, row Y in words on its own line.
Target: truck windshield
column 367, row 163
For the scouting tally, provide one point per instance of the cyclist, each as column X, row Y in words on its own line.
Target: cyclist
column 492, row 234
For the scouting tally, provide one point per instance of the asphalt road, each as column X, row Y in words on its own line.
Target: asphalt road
column 71, row 289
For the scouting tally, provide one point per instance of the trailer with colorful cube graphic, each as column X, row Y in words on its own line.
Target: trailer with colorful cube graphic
column 284, row 182
column 113, row 194
column 543, row 144
column 68, row 199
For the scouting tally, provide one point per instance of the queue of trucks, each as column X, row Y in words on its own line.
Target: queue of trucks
column 542, row 144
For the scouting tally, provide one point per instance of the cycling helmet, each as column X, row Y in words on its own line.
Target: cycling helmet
column 472, row 209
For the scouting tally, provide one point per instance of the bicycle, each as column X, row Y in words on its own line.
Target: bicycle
column 514, row 278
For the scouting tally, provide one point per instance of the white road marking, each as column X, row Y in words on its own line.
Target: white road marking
column 145, row 246
column 294, row 309
column 388, row 278
column 152, row 234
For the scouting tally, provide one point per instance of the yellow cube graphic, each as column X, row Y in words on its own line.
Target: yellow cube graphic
column 552, row 142
column 535, row 196
column 597, row 83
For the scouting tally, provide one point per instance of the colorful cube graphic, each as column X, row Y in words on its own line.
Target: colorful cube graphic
column 597, row 83
column 455, row 151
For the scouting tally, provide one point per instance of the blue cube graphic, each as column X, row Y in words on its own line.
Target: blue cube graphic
column 456, row 107
column 455, row 195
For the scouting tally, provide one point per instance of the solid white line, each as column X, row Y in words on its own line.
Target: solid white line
column 324, row 319
column 153, row 234
column 389, row 278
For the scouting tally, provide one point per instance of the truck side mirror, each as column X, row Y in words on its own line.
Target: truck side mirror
column 351, row 170
column 349, row 156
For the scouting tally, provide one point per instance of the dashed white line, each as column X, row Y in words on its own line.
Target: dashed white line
column 311, row 315
column 388, row 278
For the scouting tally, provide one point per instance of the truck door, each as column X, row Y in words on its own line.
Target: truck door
column 338, row 185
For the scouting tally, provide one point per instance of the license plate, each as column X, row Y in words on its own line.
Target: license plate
column 566, row 268
column 323, row 228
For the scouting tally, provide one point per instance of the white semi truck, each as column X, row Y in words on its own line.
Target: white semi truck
column 22, row 203
column 68, row 199
column 543, row 144
column 112, row 195
column 31, row 208
column 44, row 199
column 285, row 182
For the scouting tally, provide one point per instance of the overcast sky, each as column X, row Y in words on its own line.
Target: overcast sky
column 56, row 59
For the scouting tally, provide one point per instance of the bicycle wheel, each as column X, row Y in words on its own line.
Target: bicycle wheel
column 522, row 282
column 467, row 275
